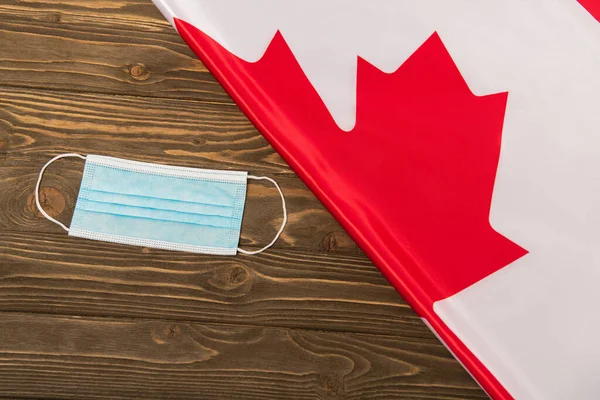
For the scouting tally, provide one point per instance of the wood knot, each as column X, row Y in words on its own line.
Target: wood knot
column 55, row 17
column 139, row 72
column 199, row 141
column 231, row 277
column 51, row 200
column 331, row 386
column 329, row 243
column 237, row 275
column 172, row 331
column 168, row 332
column 335, row 240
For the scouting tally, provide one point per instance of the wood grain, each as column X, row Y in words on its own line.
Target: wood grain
column 123, row 47
column 54, row 273
column 178, row 132
column 73, row 357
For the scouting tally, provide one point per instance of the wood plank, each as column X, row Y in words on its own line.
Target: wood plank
column 123, row 47
column 310, row 227
column 179, row 132
column 74, row 357
column 54, row 273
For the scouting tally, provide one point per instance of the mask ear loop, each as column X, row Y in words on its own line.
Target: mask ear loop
column 261, row 178
column 39, row 181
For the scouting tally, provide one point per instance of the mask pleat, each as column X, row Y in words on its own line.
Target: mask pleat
column 154, row 213
column 157, row 203
column 125, row 182
column 155, row 229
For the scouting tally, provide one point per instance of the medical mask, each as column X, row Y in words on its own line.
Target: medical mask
column 160, row 206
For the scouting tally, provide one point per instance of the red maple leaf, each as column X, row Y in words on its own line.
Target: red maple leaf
column 412, row 182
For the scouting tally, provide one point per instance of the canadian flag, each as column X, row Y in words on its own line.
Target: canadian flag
column 458, row 142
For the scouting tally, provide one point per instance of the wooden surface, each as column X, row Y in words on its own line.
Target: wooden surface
column 310, row 319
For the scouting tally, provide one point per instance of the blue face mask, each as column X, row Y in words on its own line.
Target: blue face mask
column 153, row 205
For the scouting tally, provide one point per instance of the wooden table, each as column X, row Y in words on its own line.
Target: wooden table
column 310, row 319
